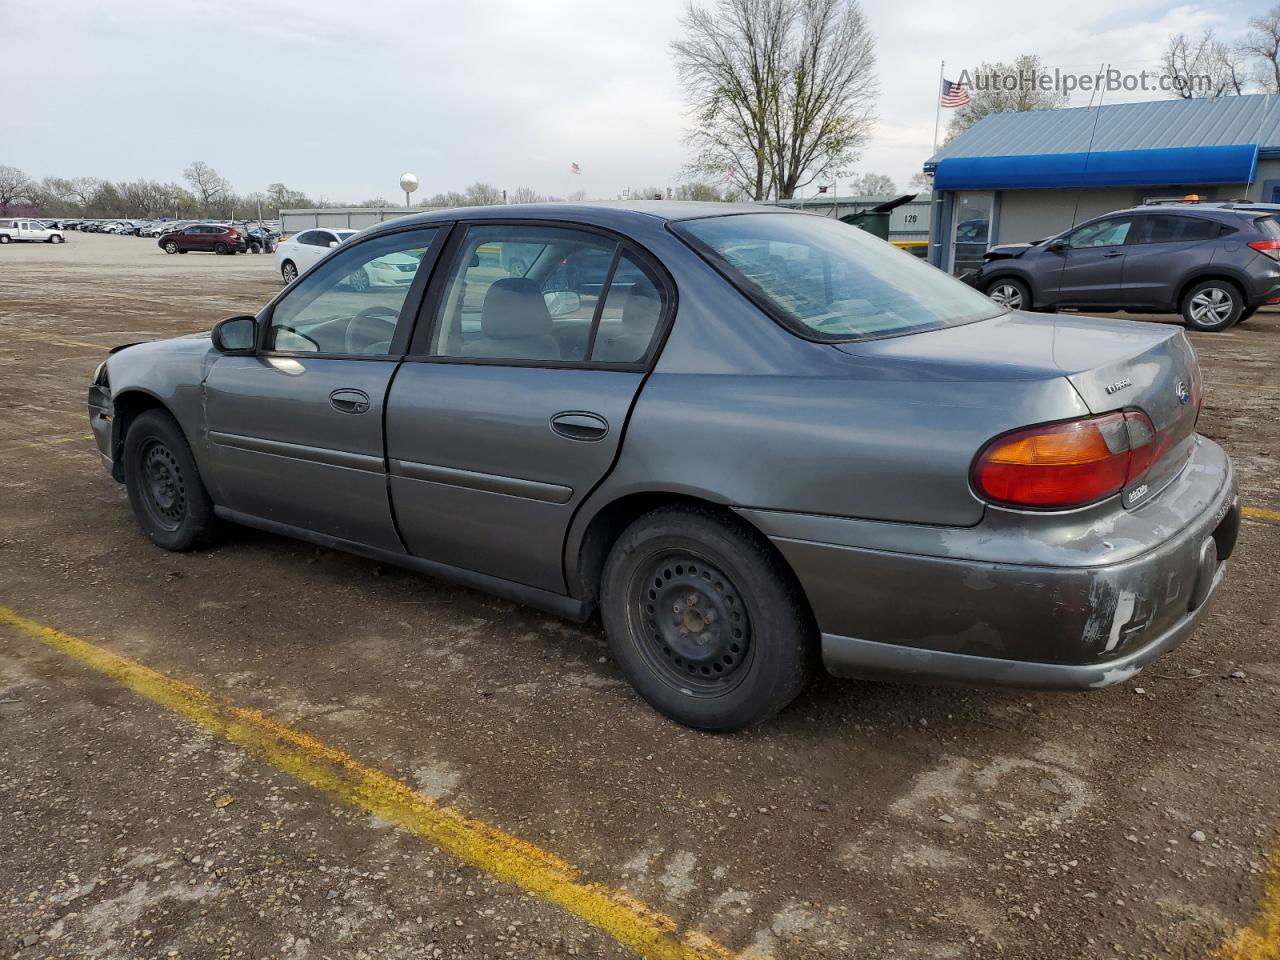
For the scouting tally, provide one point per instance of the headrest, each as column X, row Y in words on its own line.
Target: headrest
column 641, row 308
column 514, row 307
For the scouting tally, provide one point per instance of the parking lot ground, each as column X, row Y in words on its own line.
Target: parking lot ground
column 869, row 821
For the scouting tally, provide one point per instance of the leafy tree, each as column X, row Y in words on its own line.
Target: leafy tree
column 780, row 91
column 699, row 191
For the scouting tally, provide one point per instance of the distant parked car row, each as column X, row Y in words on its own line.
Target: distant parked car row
column 249, row 236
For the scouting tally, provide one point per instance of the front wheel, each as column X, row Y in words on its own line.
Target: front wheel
column 168, row 497
column 1212, row 305
column 55, row 239
column 170, row 247
column 4, row 238
column 705, row 620
column 1009, row 293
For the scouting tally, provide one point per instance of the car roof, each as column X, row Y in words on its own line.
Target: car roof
column 611, row 213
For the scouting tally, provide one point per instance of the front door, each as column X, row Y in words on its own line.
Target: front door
column 295, row 430
column 513, row 408
column 1092, row 269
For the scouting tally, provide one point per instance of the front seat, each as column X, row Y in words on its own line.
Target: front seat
column 640, row 312
column 514, row 323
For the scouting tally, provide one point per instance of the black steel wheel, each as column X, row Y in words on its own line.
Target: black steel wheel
column 168, row 497
column 705, row 619
column 695, row 629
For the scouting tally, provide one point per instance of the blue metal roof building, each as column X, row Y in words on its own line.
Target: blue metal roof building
column 1014, row 177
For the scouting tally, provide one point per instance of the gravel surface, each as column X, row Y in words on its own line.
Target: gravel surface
column 870, row 820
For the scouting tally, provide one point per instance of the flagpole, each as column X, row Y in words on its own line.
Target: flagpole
column 937, row 100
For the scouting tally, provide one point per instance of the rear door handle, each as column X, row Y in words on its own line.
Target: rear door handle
column 1113, row 253
column 580, row 425
column 349, row 400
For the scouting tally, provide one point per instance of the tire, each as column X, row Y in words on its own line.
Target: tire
column 1212, row 305
column 171, row 248
column 168, row 497
column 184, row 252
column 705, row 620
column 289, row 271
column 256, row 248
column 1246, row 314
column 4, row 238
column 1009, row 293
column 220, row 249
column 55, row 239
column 359, row 281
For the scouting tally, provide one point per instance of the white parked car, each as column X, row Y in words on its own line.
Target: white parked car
column 28, row 230
column 298, row 253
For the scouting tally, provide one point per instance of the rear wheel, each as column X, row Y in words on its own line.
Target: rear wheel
column 1009, row 293
column 704, row 620
column 168, row 497
column 170, row 247
column 220, row 249
column 1212, row 305
column 289, row 271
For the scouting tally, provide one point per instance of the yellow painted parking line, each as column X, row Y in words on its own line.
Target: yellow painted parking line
column 1261, row 941
column 652, row 935
column 1261, row 513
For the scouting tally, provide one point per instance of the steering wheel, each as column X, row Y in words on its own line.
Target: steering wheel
column 372, row 325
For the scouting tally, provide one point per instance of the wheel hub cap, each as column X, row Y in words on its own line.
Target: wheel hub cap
column 1211, row 306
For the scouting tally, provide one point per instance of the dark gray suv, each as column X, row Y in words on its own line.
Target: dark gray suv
column 1213, row 264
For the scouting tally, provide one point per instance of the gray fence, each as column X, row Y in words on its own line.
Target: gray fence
column 340, row 218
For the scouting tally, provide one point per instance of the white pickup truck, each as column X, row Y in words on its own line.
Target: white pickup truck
column 27, row 229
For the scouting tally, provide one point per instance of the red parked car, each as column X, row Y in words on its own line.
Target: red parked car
column 207, row 237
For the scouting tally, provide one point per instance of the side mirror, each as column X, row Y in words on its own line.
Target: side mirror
column 561, row 303
column 235, row 335
column 1059, row 244
column 332, row 244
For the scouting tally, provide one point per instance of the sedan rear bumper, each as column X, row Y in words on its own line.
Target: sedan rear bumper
column 1028, row 601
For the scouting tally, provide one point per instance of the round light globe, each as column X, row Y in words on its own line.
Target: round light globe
column 408, row 182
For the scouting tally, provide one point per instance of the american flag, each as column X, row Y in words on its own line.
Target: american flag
column 954, row 94
column 574, row 168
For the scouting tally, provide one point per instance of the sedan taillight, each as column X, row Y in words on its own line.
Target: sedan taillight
column 1060, row 465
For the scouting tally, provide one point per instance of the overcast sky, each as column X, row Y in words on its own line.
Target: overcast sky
column 338, row 97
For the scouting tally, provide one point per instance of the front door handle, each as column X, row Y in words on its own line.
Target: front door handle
column 1113, row 253
column 580, row 425
column 349, row 400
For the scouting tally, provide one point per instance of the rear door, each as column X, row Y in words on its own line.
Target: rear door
column 295, row 430
column 1163, row 249
column 1093, row 263
column 512, row 406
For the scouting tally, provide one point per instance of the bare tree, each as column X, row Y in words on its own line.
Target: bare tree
column 779, row 91
column 699, row 191
column 920, row 182
column 210, row 188
column 577, row 196
column 83, row 189
column 873, row 184
column 1203, row 67
column 1262, row 45
column 481, row 194
column 279, row 197
column 527, row 195
column 1003, row 88
column 14, row 186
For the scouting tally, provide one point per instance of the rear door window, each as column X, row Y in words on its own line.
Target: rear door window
column 1165, row 228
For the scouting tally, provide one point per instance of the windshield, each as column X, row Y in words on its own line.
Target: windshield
column 344, row 235
column 831, row 280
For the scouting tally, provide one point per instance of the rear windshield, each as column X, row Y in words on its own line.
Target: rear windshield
column 1269, row 226
column 831, row 281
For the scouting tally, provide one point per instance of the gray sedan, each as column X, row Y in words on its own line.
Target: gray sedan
column 752, row 441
